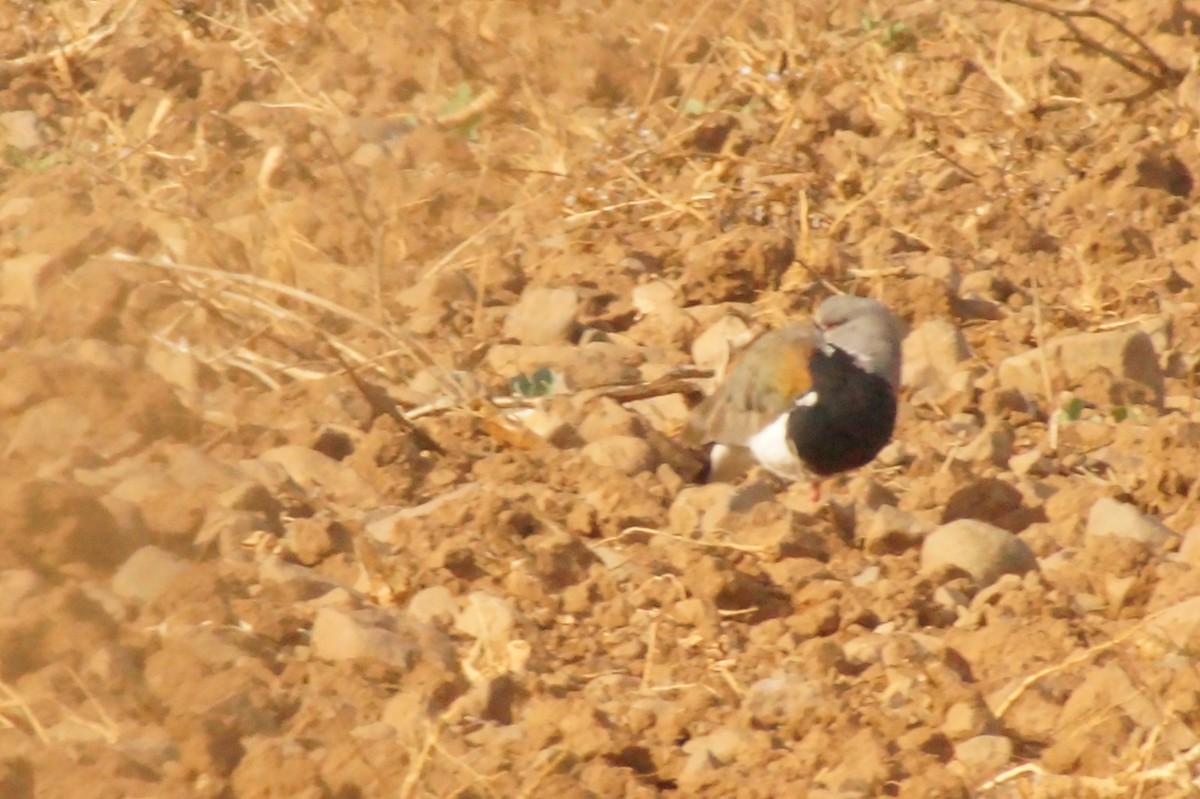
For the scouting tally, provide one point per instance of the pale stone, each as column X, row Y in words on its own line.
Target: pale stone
column 627, row 454
column 977, row 548
column 932, row 353
column 543, row 316
column 1127, row 353
column 1110, row 517
column 146, row 574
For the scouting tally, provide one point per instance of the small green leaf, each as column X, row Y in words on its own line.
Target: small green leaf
column 1120, row 413
column 520, row 385
column 1074, row 409
column 539, row 384
column 459, row 99
column 462, row 97
column 694, row 107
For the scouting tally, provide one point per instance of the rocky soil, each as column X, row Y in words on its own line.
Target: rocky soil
column 346, row 346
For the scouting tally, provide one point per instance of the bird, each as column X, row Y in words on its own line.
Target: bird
column 809, row 399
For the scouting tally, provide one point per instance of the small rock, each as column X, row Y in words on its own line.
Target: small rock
column 311, row 540
column 968, row 719
column 362, row 634
column 784, row 701
column 317, row 472
column 706, row 508
column 171, row 513
column 972, row 306
column 47, row 524
column 22, row 278
column 1030, row 462
column 1116, row 588
column 375, row 731
column 192, row 468
column 993, row 445
column 1160, row 329
column 864, row 650
column 950, row 598
column 940, row 268
column 339, row 598
column 932, row 353
column 1178, row 626
column 146, row 574
column 627, row 454
column 713, row 348
column 151, row 749
column 435, row 382
column 984, row 754
column 550, row 427
column 21, row 130
column 735, row 265
column 708, row 753
column 16, row 207
column 1084, row 602
column 977, row 548
column 1127, row 353
column 863, row 769
column 1189, row 549
column 607, row 417
column 444, row 286
column 868, row 576
column 16, row 585
column 1110, row 517
column 249, row 495
column 891, row 530
column 305, row 583
column 655, row 297
column 670, row 330
column 387, row 525
column 487, row 618
column 989, row 500
column 983, row 283
column 433, row 605
column 178, row 367
column 699, row 614
column 665, row 413
column 869, row 494
column 543, row 316
column 227, row 530
column 54, row 426
column 1069, row 504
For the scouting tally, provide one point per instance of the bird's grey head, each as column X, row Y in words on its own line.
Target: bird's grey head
column 866, row 330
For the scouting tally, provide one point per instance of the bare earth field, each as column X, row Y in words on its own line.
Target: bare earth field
column 344, row 349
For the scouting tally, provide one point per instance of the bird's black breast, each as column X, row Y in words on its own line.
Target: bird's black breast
column 852, row 419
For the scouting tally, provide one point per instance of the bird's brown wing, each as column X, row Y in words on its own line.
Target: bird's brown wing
column 763, row 382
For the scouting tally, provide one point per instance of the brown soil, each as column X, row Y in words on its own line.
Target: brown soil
column 256, row 264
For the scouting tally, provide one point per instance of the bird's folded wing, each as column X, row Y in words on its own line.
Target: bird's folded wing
column 764, row 381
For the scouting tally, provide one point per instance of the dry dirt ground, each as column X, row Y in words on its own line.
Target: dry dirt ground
column 346, row 345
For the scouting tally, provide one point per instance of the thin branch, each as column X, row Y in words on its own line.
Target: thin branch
column 1163, row 73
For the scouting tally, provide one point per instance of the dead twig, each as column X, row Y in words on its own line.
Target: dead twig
column 1161, row 75
column 76, row 48
column 17, row 701
column 747, row 548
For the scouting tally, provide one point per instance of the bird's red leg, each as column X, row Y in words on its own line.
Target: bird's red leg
column 814, row 491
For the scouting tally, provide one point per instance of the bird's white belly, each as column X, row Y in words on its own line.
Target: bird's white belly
column 774, row 450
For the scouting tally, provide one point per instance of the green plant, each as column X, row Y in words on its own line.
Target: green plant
column 894, row 36
column 539, row 384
